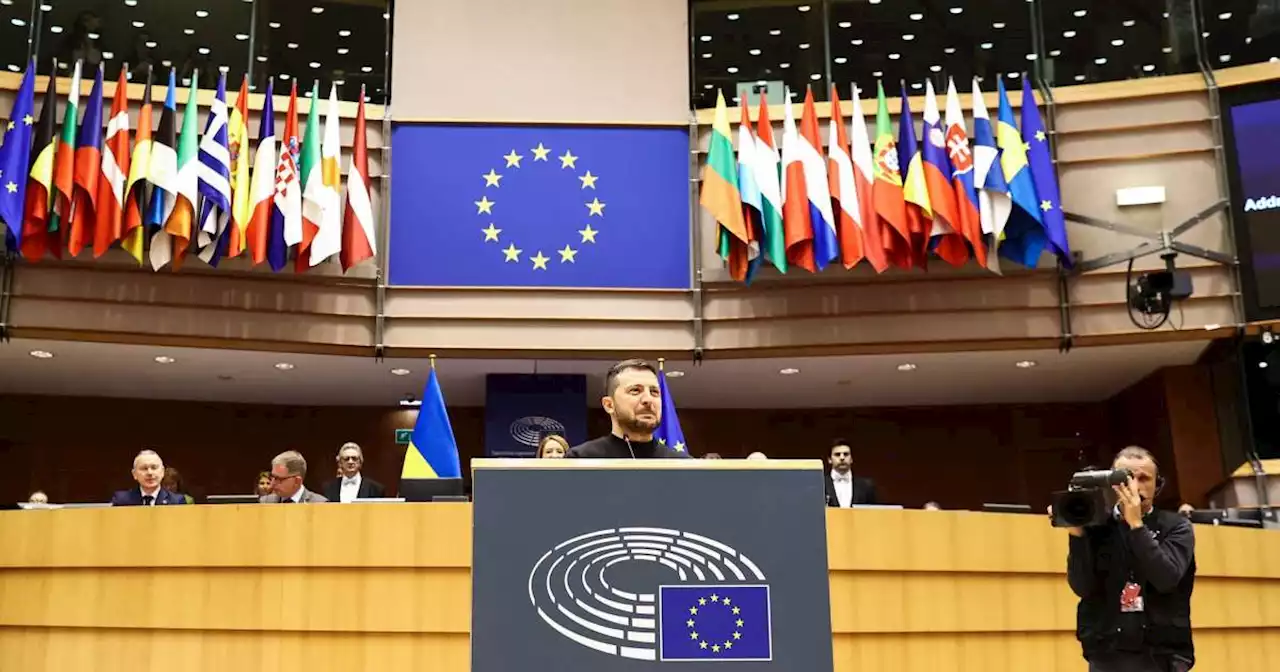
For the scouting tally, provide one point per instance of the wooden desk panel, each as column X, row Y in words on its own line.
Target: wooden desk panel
column 366, row 586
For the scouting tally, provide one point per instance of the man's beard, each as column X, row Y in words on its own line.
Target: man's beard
column 635, row 424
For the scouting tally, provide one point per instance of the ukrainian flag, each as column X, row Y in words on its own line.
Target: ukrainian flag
column 433, row 452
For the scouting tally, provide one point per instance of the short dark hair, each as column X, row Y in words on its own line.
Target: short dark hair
column 611, row 378
column 836, row 443
column 1137, row 453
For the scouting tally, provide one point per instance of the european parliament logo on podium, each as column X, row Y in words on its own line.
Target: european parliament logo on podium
column 609, row 565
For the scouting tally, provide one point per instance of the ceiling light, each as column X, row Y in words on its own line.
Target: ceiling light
column 957, row 10
column 1117, row 43
column 367, row 68
column 707, row 55
column 804, row 45
column 754, row 52
column 94, row 36
column 343, row 51
column 13, row 68
column 789, row 371
column 775, row 32
column 762, row 82
column 877, row 73
column 17, row 22
column 314, row 64
column 1262, row 365
column 705, row 38
column 732, row 70
column 386, row 16
column 1130, row 23
column 894, row 57
column 874, row 2
column 317, row 10
column 164, row 359
column 1149, row 68
column 908, row 366
column 203, row 51
column 284, row 366
column 908, row 37
column 1205, row 34
column 1014, row 75
column 949, row 50
column 675, row 374
column 1224, row 58
column 1224, row 16
column 784, row 66
column 46, row 8
column 1079, row 78
column 986, row 45
column 1068, row 34
column 846, row 24
column 242, row 36
column 1056, row 52
column 1081, row 13
column 804, row 8
column 917, row 85
column 139, row 24
column 55, row 29
column 283, row 76
column 917, row 16
column 1167, row 50
column 224, row 69
column 200, row 13
column 42, row 354
column 344, row 33
column 152, row 44
column 998, row 25
column 1031, row 57
column 815, row 76
column 733, row 17
column 131, row 3
column 841, row 60
column 935, row 68
column 108, row 55
column 1100, row 60
column 707, row 86
column 411, row 402
column 189, row 31
column 167, row 63
column 856, row 43
column 339, row 82
column 292, row 45
column 400, row 372
column 1026, row 364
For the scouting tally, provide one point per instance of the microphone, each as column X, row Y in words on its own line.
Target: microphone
column 629, row 448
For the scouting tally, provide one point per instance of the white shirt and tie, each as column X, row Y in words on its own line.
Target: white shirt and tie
column 350, row 488
column 149, row 498
column 843, row 485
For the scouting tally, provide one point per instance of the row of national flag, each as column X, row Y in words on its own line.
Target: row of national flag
column 894, row 202
column 169, row 192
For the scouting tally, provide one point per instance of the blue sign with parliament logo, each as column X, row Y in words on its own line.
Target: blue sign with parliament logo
column 539, row 206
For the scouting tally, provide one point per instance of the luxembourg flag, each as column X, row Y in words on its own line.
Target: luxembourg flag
column 994, row 204
column 817, row 188
column 962, row 175
column 945, row 238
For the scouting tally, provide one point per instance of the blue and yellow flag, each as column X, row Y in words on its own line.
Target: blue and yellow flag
column 433, row 452
column 1024, row 232
column 669, row 432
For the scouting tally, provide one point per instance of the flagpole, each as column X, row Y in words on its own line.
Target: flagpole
column 432, row 358
column 661, row 362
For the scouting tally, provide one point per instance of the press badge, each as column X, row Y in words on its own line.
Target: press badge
column 1131, row 598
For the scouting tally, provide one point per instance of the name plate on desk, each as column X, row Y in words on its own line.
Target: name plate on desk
column 637, row 564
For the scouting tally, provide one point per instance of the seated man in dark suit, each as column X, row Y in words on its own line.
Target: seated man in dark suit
column 148, row 471
column 352, row 485
column 843, row 488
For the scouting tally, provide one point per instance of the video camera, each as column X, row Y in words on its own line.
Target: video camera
column 1088, row 499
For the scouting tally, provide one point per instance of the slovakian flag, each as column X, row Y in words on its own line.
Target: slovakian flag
column 322, row 192
column 181, row 222
column 1040, row 161
column 113, row 172
column 214, row 178
column 241, row 192
column 945, row 238
column 64, row 169
column 886, row 190
column 768, row 178
column 844, row 194
column 797, row 229
column 874, row 237
column 15, row 158
column 38, row 204
column 915, row 186
column 263, row 189
column 720, row 196
column 994, row 204
column 1024, row 233
column 162, row 173
column 135, row 208
column 358, row 238
column 88, row 168
column 286, row 205
column 961, row 157
column 826, row 248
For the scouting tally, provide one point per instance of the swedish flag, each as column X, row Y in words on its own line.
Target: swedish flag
column 433, row 452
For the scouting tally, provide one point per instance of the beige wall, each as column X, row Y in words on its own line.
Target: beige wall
column 570, row 61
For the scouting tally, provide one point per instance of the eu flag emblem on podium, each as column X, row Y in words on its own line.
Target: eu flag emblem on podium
column 715, row 622
column 520, row 206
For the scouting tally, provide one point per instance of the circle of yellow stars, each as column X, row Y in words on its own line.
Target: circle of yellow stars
column 493, row 180
column 714, row 647
column 11, row 186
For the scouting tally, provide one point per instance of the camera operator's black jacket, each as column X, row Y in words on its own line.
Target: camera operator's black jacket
column 1160, row 556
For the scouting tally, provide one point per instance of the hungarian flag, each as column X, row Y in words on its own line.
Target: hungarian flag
column 945, row 237
column 113, row 173
column 262, row 191
column 15, row 159
column 720, row 196
column 241, row 194
column 844, row 194
column 64, row 167
column 886, row 191
column 214, row 171
column 321, row 195
column 162, row 173
column 962, row 175
column 136, row 190
column 358, row 238
column 768, row 180
column 874, row 236
column 797, row 229
column 39, row 198
column 915, row 188
column 186, row 179
column 286, row 208
column 88, row 168
column 825, row 247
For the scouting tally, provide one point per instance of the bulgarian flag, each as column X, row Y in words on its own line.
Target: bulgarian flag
column 358, row 240
column 720, row 194
column 88, row 166
column 64, row 167
column 186, row 179
column 113, row 173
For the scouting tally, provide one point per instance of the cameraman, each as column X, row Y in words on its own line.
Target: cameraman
column 1134, row 577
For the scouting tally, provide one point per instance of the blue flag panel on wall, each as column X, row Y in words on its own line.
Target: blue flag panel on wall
column 539, row 206
column 520, row 408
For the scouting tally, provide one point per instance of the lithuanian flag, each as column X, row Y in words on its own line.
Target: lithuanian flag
column 720, row 194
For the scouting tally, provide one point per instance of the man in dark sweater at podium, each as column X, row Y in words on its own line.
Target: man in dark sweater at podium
column 633, row 400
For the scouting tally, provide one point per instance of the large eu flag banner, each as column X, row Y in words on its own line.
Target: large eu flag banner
column 539, row 206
